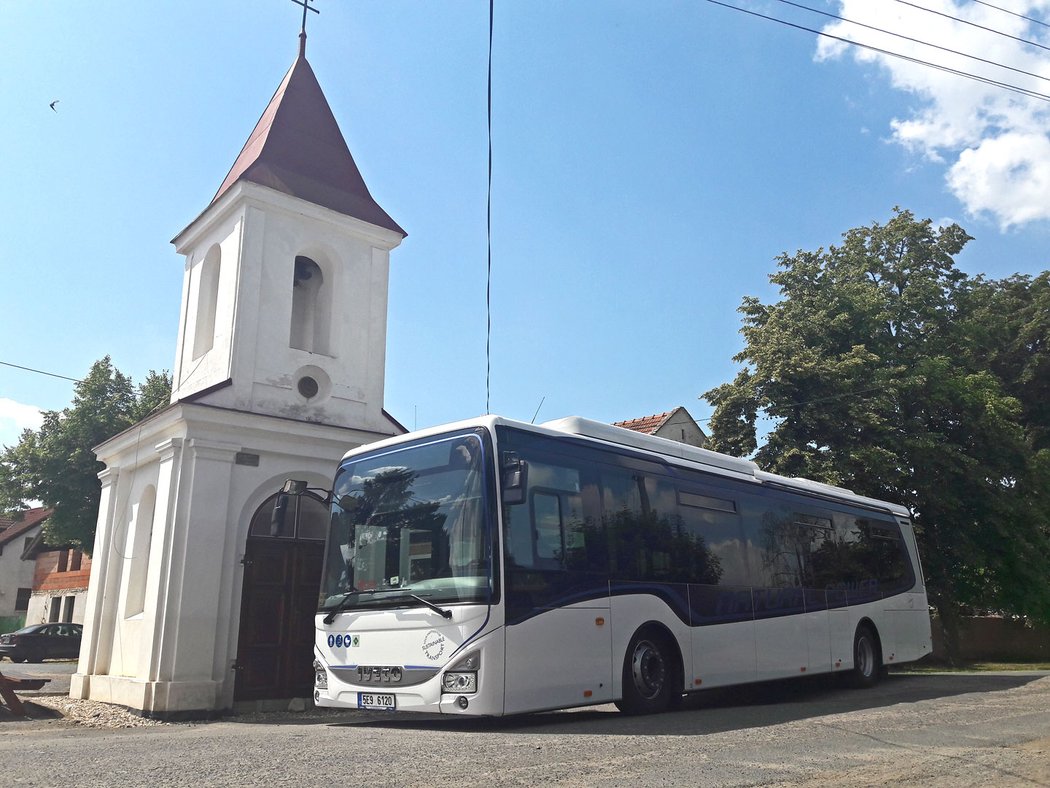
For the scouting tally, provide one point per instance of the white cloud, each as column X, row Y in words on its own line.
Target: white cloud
column 16, row 417
column 993, row 142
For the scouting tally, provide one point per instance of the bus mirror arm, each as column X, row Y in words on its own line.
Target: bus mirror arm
column 515, row 478
column 297, row 487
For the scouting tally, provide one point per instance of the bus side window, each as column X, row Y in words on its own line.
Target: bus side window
column 547, row 529
column 624, row 520
column 814, row 541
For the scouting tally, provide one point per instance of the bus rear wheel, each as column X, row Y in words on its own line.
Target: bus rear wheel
column 648, row 675
column 867, row 658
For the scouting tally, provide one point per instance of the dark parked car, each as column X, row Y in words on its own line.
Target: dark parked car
column 38, row 642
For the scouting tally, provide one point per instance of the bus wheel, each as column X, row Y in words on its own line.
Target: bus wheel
column 648, row 675
column 866, row 658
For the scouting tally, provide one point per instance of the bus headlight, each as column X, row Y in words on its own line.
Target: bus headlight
column 463, row 675
column 320, row 676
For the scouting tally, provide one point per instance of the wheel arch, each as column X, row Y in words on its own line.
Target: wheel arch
column 867, row 623
column 655, row 628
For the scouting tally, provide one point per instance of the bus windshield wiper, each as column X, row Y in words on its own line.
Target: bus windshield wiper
column 444, row 612
column 341, row 604
column 338, row 606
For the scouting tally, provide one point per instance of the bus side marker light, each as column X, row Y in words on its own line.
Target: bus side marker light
column 587, row 693
column 698, row 682
column 802, row 669
column 599, row 621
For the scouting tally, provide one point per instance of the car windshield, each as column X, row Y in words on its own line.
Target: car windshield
column 410, row 524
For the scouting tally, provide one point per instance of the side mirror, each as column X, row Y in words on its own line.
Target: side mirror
column 515, row 478
column 292, row 488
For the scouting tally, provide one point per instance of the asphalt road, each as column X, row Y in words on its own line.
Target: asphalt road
column 932, row 730
column 56, row 672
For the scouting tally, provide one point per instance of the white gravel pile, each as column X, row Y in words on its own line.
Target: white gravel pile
column 91, row 713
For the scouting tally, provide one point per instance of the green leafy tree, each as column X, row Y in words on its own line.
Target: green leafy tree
column 1011, row 329
column 885, row 369
column 56, row 464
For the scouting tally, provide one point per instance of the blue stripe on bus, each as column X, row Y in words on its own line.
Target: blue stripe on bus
column 706, row 605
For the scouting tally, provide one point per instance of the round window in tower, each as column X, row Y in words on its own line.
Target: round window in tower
column 312, row 384
column 308, row 387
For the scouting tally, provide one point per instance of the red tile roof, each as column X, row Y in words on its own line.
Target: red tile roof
column 297, row 148
column 646, row 424
column 13, row 527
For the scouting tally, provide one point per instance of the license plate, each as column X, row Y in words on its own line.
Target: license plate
column 376, row 700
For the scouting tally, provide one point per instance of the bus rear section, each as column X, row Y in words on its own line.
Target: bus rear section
column 636, row 571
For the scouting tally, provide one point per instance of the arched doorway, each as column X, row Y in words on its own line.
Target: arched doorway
column 282, row 575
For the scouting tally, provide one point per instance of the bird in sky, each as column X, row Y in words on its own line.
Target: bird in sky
column 53, row 105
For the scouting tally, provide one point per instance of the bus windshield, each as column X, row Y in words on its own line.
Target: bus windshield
column 410, row 525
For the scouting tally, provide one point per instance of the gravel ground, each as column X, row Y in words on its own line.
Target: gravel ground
column 88, row 712
column 61, row 709
column 937, row 731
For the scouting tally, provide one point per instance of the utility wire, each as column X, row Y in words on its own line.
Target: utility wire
column 972, row 24
column 832, row 398
column 488, row 238
column 914, row 40
column 918, row 61
column 1012, row 13
column 39, row 371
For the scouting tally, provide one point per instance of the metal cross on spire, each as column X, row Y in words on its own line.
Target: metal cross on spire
column 302, row 31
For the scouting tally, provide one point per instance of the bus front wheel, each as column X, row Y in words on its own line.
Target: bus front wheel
column 867, row 658
column 648, row 675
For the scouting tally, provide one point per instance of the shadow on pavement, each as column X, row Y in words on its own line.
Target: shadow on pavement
column 32, row 710
column 714, row 711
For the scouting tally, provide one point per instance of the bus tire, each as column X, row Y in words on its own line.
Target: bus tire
column 867, row 658
column 649, row 674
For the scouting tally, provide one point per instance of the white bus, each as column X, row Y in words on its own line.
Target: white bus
column 494, row 567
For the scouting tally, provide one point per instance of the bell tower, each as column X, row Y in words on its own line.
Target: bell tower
column 284, row 295
column 279, row 370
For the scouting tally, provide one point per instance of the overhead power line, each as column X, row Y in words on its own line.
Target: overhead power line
column 973, row 24
column 832, row 398
column 39, row 371
column 914, row 40
column 1012, row 13
column 488, row 237
column 889, row 53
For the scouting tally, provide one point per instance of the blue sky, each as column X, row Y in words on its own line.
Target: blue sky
column 651, row 159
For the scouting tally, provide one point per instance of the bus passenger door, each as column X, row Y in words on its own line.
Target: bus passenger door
column 558, row 649
column 558, row 629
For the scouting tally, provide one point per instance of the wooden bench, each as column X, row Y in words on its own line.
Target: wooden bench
column 7, row 692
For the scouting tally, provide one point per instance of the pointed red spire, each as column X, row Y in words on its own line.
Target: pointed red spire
column 297, row 148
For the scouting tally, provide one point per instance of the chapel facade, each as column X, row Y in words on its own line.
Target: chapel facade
column 199, row 599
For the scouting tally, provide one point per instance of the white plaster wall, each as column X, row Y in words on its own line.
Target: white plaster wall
column 127, row 646
column 682, row 428
column 191, row 375
column 178, row 653
column 14, row 572
column 261, row 232
column 41, row 604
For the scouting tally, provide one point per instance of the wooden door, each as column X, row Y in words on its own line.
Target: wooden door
column 282, row 575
